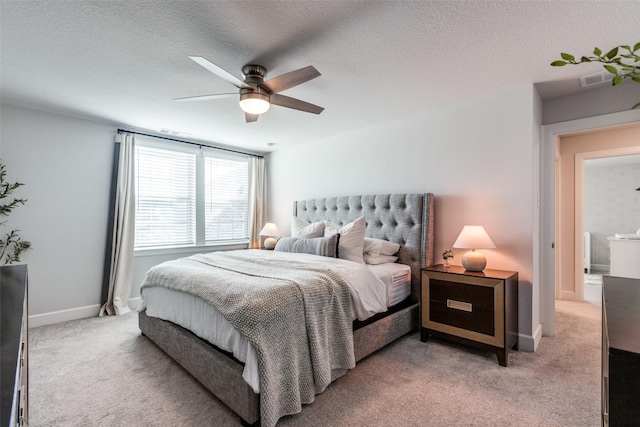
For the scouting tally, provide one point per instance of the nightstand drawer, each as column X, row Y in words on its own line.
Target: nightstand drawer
column 470, row 307
column 478, row 308
column 462, row 306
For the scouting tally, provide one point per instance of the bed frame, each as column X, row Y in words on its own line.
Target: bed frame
column 406, row 219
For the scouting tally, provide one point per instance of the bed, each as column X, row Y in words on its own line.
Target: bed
column 406, row 219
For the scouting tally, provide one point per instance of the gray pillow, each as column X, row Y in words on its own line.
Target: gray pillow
column 325, row 246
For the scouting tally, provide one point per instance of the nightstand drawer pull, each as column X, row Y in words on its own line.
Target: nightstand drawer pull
column 459, row 305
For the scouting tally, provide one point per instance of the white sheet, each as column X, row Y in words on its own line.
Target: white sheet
column 397, row 279
column 368, row 296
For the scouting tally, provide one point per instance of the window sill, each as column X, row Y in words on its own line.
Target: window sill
column 226, row 246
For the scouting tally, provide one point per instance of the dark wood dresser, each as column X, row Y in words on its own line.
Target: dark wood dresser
column 620, row 351
column 475, row 308
column 14, row 385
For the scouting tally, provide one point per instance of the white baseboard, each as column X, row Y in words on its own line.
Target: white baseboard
column 63, row 315
column 530, row 342
column 72, row 314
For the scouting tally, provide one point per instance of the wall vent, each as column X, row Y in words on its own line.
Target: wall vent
column 595, row 78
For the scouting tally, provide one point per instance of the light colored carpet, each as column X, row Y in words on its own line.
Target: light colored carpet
column 102, row 372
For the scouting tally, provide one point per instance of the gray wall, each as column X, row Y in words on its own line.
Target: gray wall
column 477, row 158
column 66, row 165
column 605, row 99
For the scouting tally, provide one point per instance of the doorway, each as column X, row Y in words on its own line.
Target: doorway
column 573, row 151
column 611, row 207
column 547, row 245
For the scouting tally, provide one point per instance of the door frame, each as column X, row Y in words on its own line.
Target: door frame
column 546, row 239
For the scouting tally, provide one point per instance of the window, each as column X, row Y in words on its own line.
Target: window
column 187, row 196
column 226, row 199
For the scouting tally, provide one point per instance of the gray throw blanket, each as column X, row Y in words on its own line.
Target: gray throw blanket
column 298, row 319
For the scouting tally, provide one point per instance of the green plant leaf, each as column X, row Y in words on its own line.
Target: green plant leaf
column 633, row 108
column 616, row 61
column 567, row 57
column 610, row 68
column 612, row 53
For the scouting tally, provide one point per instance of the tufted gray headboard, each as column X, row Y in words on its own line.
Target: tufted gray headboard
column 406, row 219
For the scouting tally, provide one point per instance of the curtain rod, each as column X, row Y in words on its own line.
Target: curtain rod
column 192, row 143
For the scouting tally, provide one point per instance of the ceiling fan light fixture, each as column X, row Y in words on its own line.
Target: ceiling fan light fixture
column 254, row 103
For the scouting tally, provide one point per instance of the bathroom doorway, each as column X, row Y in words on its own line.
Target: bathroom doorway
column 572, row 153
column 611, row 208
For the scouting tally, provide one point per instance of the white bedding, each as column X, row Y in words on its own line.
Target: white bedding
column 369, row 294
column 397, row 279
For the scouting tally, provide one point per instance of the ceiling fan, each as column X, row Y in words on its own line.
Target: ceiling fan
column 256, row 94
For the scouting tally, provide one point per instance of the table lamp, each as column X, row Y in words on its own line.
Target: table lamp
column 271, row 231
column 474, row 237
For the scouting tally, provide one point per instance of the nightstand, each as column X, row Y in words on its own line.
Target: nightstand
column 474, row 308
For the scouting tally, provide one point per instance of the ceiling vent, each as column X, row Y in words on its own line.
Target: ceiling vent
column 172, row 132
column 595, row 79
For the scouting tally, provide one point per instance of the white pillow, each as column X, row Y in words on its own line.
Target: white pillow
column 379, row 259
column 351, row 243
column 377, row 247
column 301, row 228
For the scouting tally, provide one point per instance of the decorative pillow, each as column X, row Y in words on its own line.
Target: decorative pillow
column 351, row 243
column 377, row 247
column 325, row 246
column 379, row 259
column 301, row 228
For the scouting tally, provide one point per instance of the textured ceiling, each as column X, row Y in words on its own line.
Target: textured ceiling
column 125, row 61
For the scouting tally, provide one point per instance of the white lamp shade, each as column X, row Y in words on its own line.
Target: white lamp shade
column 270, row 230
column 474, row 237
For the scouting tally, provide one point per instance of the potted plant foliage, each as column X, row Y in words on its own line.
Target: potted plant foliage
column 622, row 61
column 11, row 244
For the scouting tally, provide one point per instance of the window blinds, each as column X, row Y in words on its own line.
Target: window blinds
column 226, row 199
column 165, row 197
column 188, row 196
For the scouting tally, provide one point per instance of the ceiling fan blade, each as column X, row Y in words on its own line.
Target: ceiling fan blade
column 296, row 104
column 223, row 74
column 291, row 79
column 206, row 97
column 251, row 117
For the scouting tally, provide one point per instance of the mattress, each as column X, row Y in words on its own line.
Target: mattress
column 397, row 280
column 203, row 320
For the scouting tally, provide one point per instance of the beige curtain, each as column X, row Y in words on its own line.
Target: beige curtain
column 121, row 272
column 257, row 200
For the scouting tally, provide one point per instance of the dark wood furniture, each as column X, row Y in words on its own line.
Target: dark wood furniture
column 620, row 351
column 475, row 308
column 14, row 386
